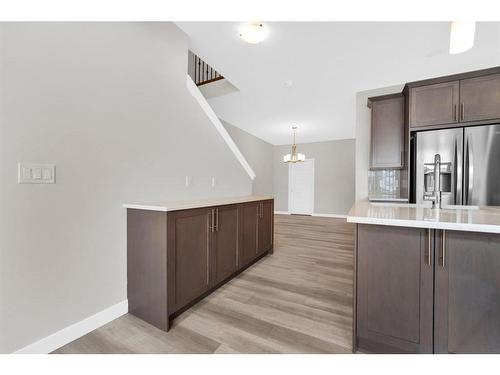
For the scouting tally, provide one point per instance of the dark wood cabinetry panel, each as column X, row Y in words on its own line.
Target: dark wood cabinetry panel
column 249, row 216
column 436, row 104
column 394, row 289
column 387, row 132
column 176, row 258
column 189, row 250
column 265, row 233
column 147, row 266
column 480, row 98
column 225, row 243
column 467, row 297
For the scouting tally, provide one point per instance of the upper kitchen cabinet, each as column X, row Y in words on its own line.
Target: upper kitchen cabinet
column 434, row 104
column 471, row 98
column 387, row 131
column 480, row 98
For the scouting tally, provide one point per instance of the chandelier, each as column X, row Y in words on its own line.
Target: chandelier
column 295, row 156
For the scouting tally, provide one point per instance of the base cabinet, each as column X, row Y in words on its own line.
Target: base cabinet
column 176, row 258
column 225, row 243
column 188, row 256
column 467, row 299
column 394, row 287
column 427, row 291
column 249, row 219
column 265, row 227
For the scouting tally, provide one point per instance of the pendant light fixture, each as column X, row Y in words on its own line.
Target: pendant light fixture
column 295, row 156
column 461, row 36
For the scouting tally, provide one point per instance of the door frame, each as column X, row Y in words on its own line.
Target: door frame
column 313, row 186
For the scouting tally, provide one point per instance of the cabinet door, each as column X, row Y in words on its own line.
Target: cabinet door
column 434, row 104
column 394, row 289
column 467, row 299
column 387, row 134
column 266, row 219
column 188, row 237
column 225, row 243
column 249, row 216
column 480, row 98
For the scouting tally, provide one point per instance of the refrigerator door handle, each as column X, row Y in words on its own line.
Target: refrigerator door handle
column 470, row 171
column 467, row 171
column 455, row 174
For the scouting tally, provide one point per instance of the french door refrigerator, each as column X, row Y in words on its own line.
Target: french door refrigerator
column 473, row 154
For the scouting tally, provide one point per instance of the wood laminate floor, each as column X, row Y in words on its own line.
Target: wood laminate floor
column 298, row 300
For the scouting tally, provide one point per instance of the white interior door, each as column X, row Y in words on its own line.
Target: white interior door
column 301, row 187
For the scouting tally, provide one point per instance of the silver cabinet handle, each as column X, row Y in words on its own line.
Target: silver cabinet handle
column 212, row 226
column 462, row 111
column 443, row 249
column 455, row 113
column 217, row 220
column 429, row 247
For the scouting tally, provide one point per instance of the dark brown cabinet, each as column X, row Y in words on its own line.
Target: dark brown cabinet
column 225, row 243
column 176, row 258
column 471, row 98
column 387, row 131
column 394, row 290
column 480, row 98
column 265, row 227
column 427, row 291
column 436, row 104
column 189, row 255
column 467, row 297
column 249, row 217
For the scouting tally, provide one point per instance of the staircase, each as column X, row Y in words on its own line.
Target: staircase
column 204, row 82
column 200, row 72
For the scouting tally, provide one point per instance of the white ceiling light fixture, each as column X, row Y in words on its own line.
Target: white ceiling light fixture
column 295, row 156
column 461, row 36
column 253, row 32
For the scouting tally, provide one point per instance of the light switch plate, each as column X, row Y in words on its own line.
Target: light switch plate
column 36, row 173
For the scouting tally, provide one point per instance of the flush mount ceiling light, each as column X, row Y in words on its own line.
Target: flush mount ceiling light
column 294, row 157
column 461, row 36
column 253, row 32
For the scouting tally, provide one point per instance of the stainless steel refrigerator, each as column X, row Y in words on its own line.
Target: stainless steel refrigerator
column 473, row 172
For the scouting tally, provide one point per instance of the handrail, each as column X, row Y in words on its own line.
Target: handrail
column 200, row 72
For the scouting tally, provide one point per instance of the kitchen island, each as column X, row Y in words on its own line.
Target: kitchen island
column 426, row 280
column 178, row 252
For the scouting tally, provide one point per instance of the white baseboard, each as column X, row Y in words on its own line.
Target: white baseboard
column 337, row 216
column 281, row 213
column 66, row 335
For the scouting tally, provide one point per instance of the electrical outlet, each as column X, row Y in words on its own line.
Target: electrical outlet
column 214, row 181
column 188, row 181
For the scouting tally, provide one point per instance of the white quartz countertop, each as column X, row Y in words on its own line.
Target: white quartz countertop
column 473, row 219
column 194, row 203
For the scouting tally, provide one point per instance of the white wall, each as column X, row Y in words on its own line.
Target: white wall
column 363, row 136
column 334, row 175
column 108, row 104
column 259, row 155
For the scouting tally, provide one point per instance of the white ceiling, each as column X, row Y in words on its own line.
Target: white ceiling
column 328, row 62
